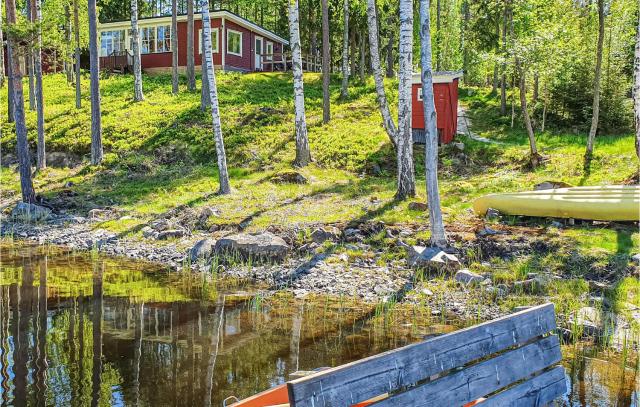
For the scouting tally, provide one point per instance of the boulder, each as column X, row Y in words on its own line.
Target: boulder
column 636, row 259
column 424, row 257
column 206, row 213
column 288, row 177
column 170, row 234
column 160, row 225
column 7, row 160
column 203, row 249
column 99, row 214
column 260, row 246
column 60, row 160
column 27, row 212
column 465, row 276
column 149, row 233
column 321, row 235
column 492, row 214
column 551, row 185
column 418, row 206
column 590, row 321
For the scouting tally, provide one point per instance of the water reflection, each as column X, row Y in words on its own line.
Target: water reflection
column 78, row 331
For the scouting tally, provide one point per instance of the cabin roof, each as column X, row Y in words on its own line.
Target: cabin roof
column 228, row 15
column 440, row 76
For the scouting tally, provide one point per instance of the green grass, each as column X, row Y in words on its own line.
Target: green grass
column 160, row 155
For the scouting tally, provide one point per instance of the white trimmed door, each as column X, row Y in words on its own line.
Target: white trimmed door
column 259, row 45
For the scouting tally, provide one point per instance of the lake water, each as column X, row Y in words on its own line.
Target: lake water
column 81, row 329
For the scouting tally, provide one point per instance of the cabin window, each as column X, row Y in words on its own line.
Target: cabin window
column 234, row 43
column 111, row 41
column 419, row 94
column 214, row 41
column 269, row 50
column 155, row 39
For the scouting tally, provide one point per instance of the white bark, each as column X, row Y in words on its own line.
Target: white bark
column 135, row 45
column 174, row 46
column 41, row 160
column 15, row 89
column 94, row 67
column 596, row 85
column 326, row 63
column 207, row 53
column 374, row 51
column 362, row 56
column 191, row 69
column 214, row 348
column 438, row 235
column 28, row 57
column 303, row 153
column 636, row 89
column 344, row 91
column 525, row 114
column 76, row 24
column 404, row 141
column 2, row 72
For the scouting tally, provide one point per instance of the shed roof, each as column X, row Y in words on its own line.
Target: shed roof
column 439, row 76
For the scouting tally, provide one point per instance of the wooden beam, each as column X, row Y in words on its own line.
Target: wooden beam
column 539, row 391
column 390, row 371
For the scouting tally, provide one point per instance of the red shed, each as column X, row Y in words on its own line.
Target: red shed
column 445, row 92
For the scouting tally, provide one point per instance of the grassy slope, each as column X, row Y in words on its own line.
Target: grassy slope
column 160, row 155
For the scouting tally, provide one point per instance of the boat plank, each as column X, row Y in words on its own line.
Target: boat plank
column 539, row 391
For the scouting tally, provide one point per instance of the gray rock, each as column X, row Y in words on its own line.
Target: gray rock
column 288, row 177
column 423, row 257
column 465, row 276
column 636, row 259
column 261, row 246
column 589, row 320
column 27, row 212
column 206, row 213
column 418, row 206
column 321, row 235
column 9, row 160
column 487, row 231
column 203, row 249
column 459, row 146
column 551, row 185
column 60, row 160
column 557, row 224
column 170, row 234
column 492, row 214
column 149, row 233
column 99, row 213
column 160, row 225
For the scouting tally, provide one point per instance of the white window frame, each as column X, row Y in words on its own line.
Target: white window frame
column 155, row 38
column 419, row 95
column 215, row 45
column 229, row 31
column 123, row 40
column 269, row 44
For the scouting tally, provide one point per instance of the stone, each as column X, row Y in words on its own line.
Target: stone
column 203, row 249
column 636, row 259
column 8, row 160
column 260, row 246
column 160, row 225
column 206, row 213
column 551, row 185
column 99, row 213
column 423, row 257
column 528, row 285
column 170, row 234
column 492, row 214
column 59, row 159
column 589, row 320
column 497, row 291
column 418, row 206
column 458, row 146
column 27, row 212
column 487, row 231
column 465, row 276
column 557, row 224
column 149, row 233
column 321, row 235
column 288, row 177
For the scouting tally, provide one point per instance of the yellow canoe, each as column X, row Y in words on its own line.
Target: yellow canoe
column 614, row 202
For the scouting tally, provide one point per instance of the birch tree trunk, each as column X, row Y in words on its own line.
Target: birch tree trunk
column 326, row 63
column 22, row 146
column 438, row 39
column 191, row 64
column 636, row 88
column 390, row 73
column 67, row 46
column 404, row 147
column 344, row 90
column 362, row 64
column 10, row 99
column 41, row 160
column 535, row 158
column 135, row 45
column 303, row 152
column 94, row 67
column 438, row 235
column 503, row 83
column 374, row 51
column 596, row 83
column 207, row 53
column 205, row 101
column 28, row 59
column 174, row 46
column 76, row 24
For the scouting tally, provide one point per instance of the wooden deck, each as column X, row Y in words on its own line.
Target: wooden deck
column 282, row 62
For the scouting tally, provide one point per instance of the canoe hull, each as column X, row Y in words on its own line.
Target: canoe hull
column 608, row 203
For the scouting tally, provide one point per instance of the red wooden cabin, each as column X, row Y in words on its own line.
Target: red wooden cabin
column 238, row 44
column 445, row 91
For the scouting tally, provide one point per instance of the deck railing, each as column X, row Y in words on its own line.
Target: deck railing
column 282, row 61
column 117, row 61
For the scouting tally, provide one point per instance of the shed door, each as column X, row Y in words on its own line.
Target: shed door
column 258, row 54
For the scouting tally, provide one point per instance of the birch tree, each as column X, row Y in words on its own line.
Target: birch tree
column 204, row 94
column 438, row 235
column 36, row 9
column 2, row 72
column 636, row 88
column 404, row 141
column 191, row 64
column 303, row 153
column 207, row 53
column 76, row 27
column 326, row 61
column 22, row 146
column 174, row 46
column 535, row 157
column 28, row 62
column 135, row 45
column 344, row 90
column 596, row 83
column 374, row 51
column 94, row 67
column 67, row 38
